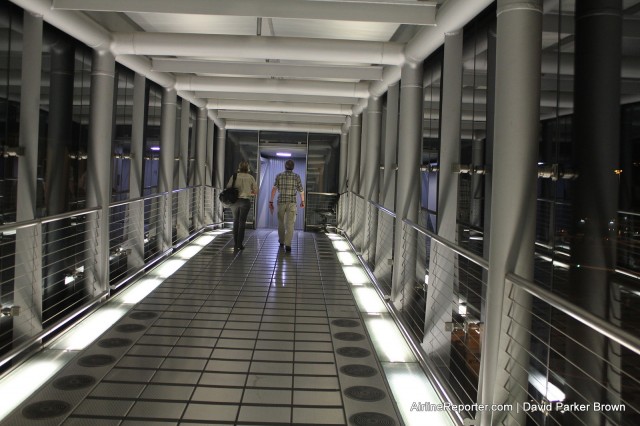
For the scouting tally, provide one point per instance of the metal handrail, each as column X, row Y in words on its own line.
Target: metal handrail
column 480, row 261
column 25, row 224
column 134, row 200
column 603, row 327
column 322, row 193
column 383, row 209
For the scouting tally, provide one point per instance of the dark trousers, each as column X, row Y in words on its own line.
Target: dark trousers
column 240, row 211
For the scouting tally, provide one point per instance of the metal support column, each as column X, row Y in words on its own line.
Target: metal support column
column 135, row 211
column 99, row 164
column 408, row 183
column 598, row 44
column 167, row 158
column 208, row 191
column 442, row 262
column 344, row 155
column 388, row 190
column 371, row 183
column 364, row 130
column 221, row 141
column 517, row 115
column 28, row 259
column 200, row 165
column 182, row 225
column 353, row 171
column 477, row 160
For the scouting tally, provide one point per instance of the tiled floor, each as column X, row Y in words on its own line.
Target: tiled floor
column 260, row 337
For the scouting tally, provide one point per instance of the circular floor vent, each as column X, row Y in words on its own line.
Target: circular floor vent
column 114, row 342
column 46, row 409
column 365, row 393
column 371, row 419
column 74, row 382
column 353, row 352
column 130, row 328
column 342, row 322
column 97, row 360
column 358, row 370
column 349, row 336
column 143, row 315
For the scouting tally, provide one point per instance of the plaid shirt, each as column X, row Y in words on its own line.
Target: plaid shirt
column 288, row 183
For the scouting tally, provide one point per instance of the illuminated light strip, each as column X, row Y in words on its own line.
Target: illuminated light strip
column 341, row 245
column 90, row 328
column 414, row 395
column 355, row 275
column 369, row 301
column 388, row 341
column 28, row 377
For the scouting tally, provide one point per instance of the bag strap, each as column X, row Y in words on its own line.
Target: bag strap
column 233, row 184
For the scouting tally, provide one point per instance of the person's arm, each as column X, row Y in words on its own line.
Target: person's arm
column 302, row 199
column 273, row 194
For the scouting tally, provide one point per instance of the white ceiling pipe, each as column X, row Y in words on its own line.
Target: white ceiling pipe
column 83, row 28
column 359, row 107
column 142, row 66
column 279, row 107
column 253, row 69
column 275, row 97
column 451, row 16
column 398, row 12
column 258, row 85
column 282, row 117
column 220, row 122
column 284, row 127
column 254, row 47
column 75, row 24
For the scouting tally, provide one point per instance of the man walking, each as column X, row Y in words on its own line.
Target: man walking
column 287, row 184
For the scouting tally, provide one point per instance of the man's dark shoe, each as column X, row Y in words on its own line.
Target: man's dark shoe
column 287, row 248
column 281, row 245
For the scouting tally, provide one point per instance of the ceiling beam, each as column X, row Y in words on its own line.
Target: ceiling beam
column 280, row 117
column 397, row 12
column 275, row 97
column 214, row 46
column 253, row 69
column 279, row 107
column 261, row 85
column 284, row 127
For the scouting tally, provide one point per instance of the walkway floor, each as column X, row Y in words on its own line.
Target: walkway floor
column 260, row 337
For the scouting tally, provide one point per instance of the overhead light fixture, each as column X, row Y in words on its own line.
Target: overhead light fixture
column 154, row 148
column 283, row 154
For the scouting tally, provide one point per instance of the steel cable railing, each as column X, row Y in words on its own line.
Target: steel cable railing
column 49, row 270
column 575, row 358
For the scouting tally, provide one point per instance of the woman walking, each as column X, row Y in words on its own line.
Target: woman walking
column 247, row 187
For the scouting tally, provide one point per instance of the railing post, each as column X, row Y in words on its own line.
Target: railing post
column 219, row 183
column 201, row 149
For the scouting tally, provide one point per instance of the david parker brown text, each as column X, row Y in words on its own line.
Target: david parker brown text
column 525, row 406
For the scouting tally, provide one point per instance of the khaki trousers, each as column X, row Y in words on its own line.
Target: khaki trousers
column 286, row 219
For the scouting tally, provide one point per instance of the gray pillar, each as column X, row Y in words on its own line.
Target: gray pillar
column 408, row 183
column 364, row 129
column 209, row 172
column 135, row 212
column 388, row 190
column 353, row 171
column 596, row 137
column 200, row 158
column 442, row 262
column 513, row 207
column 167, row 158
column 371, row 183
column 183, row 167
column 221, row 142
column 477, row 160
column 344, row 156
column 28, row 259
column 99, row 162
